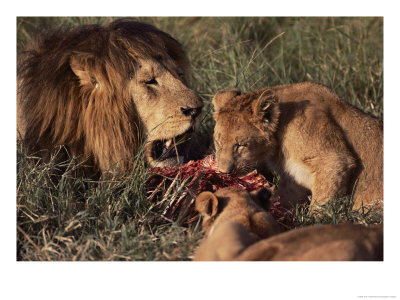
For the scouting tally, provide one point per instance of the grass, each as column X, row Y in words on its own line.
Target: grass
column 79, row 219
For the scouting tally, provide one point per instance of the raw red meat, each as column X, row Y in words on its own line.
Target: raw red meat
column 203, row 175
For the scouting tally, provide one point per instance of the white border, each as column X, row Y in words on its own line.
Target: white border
column 113, row 280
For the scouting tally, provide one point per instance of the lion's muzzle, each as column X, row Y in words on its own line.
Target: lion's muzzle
column 166, row 152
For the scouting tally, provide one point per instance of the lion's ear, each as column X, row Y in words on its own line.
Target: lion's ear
column 266, row 107
column 82, row 73
column 222, row 97
column 207, row 204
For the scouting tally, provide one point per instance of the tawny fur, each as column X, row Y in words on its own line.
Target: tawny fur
column 85, row 88
column 233, row 234
column 340, row 242
column 317, row 143
column 225, row 209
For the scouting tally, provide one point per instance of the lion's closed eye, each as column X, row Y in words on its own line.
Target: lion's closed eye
column 152, row 81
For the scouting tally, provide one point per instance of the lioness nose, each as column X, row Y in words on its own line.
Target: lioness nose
column 224, row 166
column 189, row 111
column 225, row 169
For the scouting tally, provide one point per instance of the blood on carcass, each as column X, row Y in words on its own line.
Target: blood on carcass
column 203, row 175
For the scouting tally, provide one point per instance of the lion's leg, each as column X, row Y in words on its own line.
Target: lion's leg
column 291, row 193
column 332, row 163
column 332, row 177
column 369, row 192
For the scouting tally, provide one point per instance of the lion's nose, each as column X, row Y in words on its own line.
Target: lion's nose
column 193, row 112
column 224, row 166
column 225, row 169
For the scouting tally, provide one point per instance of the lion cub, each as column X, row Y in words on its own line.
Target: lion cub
column 316, row 143
column 234, row 225
column 232, row 220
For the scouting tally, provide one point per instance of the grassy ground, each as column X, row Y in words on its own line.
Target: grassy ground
column 77, row 219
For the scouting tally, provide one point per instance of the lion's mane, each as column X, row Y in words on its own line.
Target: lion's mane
column 56, row 108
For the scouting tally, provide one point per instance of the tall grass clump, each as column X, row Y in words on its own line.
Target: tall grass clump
column 64, row 217
column 61, row 217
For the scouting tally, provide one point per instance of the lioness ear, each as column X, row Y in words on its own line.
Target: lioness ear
column 261, row 197
column 266, row 107
column 222, row 97
column 83, row 74
column 207, row 204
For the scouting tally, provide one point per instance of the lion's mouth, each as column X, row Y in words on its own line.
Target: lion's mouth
column 170, row 151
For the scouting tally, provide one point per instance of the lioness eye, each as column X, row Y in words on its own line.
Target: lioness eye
column 152, row 81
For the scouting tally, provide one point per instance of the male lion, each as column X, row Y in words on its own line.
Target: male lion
column 99, row 90
column 240, row 230
column 304, row 132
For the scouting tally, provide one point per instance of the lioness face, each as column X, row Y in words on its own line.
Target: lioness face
column 244, row 130
column 238, row 144
column 231, row 204
column 168, row 109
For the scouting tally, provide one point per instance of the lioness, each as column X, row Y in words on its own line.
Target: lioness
column 101, row 90
column 228, row 208
column 234, row 234
column 316, row 143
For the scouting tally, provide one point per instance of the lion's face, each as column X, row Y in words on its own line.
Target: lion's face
column 110, row 88
column 234, row 205
column 244, row 130
column 238, row 145
column 232, row 220
column 168, row 109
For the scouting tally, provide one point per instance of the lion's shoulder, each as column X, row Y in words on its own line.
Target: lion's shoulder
column 334, row 242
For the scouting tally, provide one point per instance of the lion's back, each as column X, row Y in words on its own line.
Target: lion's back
column 362, row 132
